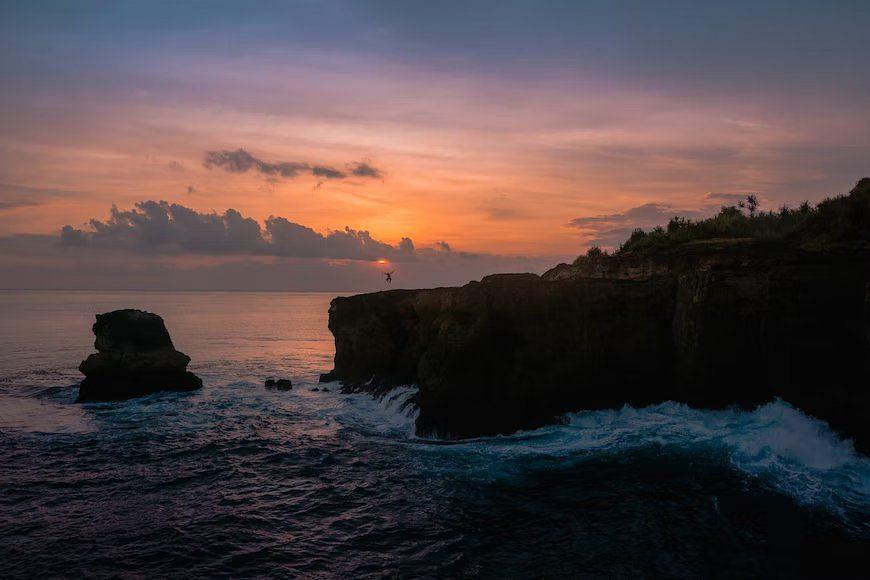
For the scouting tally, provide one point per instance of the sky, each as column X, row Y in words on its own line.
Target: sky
column 314, row 145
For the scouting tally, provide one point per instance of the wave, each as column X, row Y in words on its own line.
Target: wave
column 393, row 413
column 798, row 453
column 34, row 415
column 775, row 443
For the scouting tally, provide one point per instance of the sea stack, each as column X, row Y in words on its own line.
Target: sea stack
column 135, row 356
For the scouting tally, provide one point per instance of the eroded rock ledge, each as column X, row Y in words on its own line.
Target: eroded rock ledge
column 712, row 325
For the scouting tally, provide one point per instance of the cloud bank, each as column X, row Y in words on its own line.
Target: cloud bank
column 170, row 228
column 158, row 245
column 38, row 261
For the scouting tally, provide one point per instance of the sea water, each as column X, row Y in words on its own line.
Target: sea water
column 236, row 480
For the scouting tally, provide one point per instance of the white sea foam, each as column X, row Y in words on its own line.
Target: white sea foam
column 798, row 454
column 776, row 443
column 392, row 414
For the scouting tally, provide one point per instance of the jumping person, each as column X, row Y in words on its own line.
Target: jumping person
column 389, row 276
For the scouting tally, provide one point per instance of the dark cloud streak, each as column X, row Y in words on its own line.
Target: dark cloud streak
column 241, row 161
column 327, row 172
column 9, row 205
column 365, row 169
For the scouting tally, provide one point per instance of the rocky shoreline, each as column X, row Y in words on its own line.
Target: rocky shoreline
column 713, row 324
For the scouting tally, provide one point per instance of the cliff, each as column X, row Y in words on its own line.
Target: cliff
column 711, row 323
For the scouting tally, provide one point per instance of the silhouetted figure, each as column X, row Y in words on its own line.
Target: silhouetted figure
column 389, row 276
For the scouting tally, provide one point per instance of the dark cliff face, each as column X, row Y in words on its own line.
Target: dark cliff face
column 739, row 325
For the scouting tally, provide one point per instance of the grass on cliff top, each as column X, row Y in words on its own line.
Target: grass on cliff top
column 835, row 220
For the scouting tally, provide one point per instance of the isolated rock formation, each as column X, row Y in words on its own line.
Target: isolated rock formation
column 135, row 357
column 709, row 324
column 279, row 384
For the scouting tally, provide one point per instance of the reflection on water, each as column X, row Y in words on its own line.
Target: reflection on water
column 45, row 335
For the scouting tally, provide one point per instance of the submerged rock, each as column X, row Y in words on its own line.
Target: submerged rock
column 135, row 357
column 280, row 384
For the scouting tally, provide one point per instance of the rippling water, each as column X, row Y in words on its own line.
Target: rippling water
column 236, row 480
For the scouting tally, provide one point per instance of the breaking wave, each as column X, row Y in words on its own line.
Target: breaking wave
column 775, row 444
column 390, row 414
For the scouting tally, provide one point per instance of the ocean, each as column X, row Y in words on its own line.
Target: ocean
column 235, row 480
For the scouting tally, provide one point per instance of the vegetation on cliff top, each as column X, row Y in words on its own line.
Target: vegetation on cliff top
column 840, row 219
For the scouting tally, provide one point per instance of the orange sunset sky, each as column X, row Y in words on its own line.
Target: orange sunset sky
column 495, row 136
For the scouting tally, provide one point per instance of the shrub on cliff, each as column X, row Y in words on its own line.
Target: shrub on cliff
column 593, row 253
column 840, row 219
column 844, row 218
